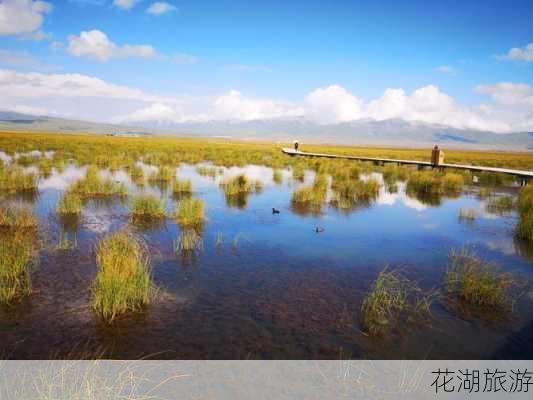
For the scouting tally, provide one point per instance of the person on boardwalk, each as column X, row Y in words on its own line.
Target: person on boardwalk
column 296, row 145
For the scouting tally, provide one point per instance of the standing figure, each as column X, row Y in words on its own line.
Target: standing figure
column 296, row 145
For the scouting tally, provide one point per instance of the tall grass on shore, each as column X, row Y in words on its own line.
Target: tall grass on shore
column 147, row 207
column 476, row 285
column 17, row 258
column 392, row 298
column 70, row 204
column 524, row 227
column 190, row 213
column 17, row 216
column 14, row 179
column 123, row 282
column 95, row 186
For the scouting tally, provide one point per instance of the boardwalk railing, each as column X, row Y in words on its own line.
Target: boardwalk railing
column 523, row 175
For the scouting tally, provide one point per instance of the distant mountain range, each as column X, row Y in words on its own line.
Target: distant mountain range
column 394, row 132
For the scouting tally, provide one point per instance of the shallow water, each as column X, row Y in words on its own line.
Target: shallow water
column 265, row 285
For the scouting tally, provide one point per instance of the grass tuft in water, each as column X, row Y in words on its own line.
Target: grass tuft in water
column 239, row 184
column 147, row 206
column 95, row 186
column 17, row 257
column 190, row 212
column 277, row 176
column 524, row 227
column 14, row 179
column 69, row 204
column 500, row 204
column 123, row 282
column 181, row 187
column 189, row 240
column 478, row 285
column 164, row 174
column 467, row 214
column 392, row 297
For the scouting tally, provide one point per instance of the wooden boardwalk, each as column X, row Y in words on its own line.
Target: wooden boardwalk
column 524, row 175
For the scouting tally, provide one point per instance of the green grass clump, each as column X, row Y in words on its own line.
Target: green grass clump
column 524, row 227
column 392, row 297
column 239, row 184
column 16, row 261
column 95, row 186
column 164, row 174
column 190, row 212
column 69, row 204
column 17, row 216
column 311, row 196
column 393, row 173
column 424, row 183
column 147, row 206
column 452, row 182
column 13, row 179
column 352, row 193
column 298, row 172
column 206, row 171
column 181, row 186
column 479, row 285
column 137, row 174
column 123, row 282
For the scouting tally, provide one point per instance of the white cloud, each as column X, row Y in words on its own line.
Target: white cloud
column 519, row 54
column 183, row 58
column 508, row 106
column 124, row 4
column 233, row 105
column 19, row 17
column 95, row 44
column 160, row 8
column 446, row 69
column 19, row 59
column 333, row 104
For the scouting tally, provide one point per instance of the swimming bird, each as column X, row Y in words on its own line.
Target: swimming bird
column 319, row 229
column 274, row 211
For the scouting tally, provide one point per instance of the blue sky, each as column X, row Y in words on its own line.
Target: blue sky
column 279, row 53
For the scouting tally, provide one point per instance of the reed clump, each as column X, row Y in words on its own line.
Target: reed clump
column 123, row 282
column 181, row 186
column 476, row 284
column 137, row 174
column 189, row 240
column 17, row 216
column 190, row 212
column 204, row 170
column 452, row 182
column 17, row 259
column 501, row 204
column 147, row 206
column 14, row 179
column 69, row 204
column 95, row 186
column 311, row 196
column 391, row 299
column 163, row 174
column 277, row 177
column 239, row 184
column 524, row 227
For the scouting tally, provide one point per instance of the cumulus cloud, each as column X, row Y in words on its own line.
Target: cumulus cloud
column 234, row 105
column 508, row 106
column 95, row 44
column 19, row 59
column 519, row 54
column 160, row 8
column 124, row 4
column 333, row 104
column 22, row 17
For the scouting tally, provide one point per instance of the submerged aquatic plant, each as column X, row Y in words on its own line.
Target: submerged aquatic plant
column 467, row 214
column 190, row 212
column 123, row 282
column 391, row 298
column 189, row 240
column 17, row 257
column 476, row 284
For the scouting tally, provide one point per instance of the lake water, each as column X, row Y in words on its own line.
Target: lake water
column 266, row 285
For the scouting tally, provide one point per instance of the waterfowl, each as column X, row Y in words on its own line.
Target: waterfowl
column 274, row 211
column 319, row 229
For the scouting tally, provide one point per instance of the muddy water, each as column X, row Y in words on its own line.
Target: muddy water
column 265, row 285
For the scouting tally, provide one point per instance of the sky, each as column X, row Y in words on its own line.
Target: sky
column 457, row 63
